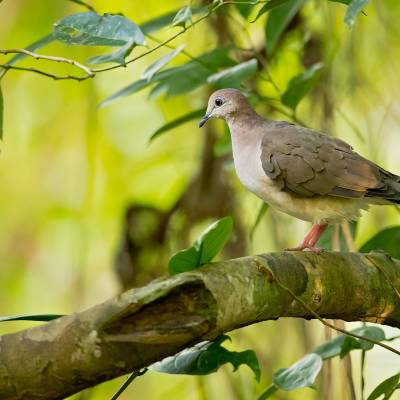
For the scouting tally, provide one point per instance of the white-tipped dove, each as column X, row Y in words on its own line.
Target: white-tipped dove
column 301, row 172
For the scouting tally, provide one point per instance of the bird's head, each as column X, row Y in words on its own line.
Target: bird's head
column 224, row 104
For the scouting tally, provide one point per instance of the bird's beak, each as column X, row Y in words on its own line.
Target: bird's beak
column 204, row 119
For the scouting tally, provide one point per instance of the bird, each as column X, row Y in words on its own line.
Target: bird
column 306, row 174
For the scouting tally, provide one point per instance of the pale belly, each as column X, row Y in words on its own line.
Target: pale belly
column 315, row 209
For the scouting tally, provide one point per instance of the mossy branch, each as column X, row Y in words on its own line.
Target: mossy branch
column 143, row 325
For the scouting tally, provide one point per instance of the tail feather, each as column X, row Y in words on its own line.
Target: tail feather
column 388, row 190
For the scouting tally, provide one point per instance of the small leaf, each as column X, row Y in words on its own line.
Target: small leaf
column 354, row 8
column 183, row 17
column 204, row 249
column 33, row 47
column 160, row 63
column 234, row 75
column 1, row 113
column 300, row 85
column 342, row 344
column 205, row 358
column 387, row 387
column 33, row 317
column 177, row 122
column 300, row 374
column 268, row 7
column 91, row 29
column 341, row 1
column 387, row 240
column 126, row 91
column 278, row 20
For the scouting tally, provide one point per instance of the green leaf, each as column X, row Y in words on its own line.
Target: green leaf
column 326, row 239
column 183, row 17
column 160, row 63
column 354, row 8
column 126, row 91
column 205, row 358
column 300, row 374
column 261, row 212
column 268, row 7
column 177, row 122
column 300, row 85
column 341, row 1
column 231, row 77
column 244, row 9
column 1, row 113
column 387, row 388
column 33, row 317
column 387, row 240
column 162, row 21
column 32, row 47
column 91, row 29
column 342, row 344
column 204, row 249
column 278, row 20
column 268, row 392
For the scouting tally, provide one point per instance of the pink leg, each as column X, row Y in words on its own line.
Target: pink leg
column 311, row 239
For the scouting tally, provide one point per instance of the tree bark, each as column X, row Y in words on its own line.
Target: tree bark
column 141, row 326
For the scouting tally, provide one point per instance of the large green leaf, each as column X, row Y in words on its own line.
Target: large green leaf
column 326, row 239
column 244, row 9
column 33, row 47
column 1, row 113
column 205, row 358
column 278, row 20
column 386, row 388
column 300, row 85
column 33, row 317
column 204, row 249
column 231, row 77
column 183, row 17
column 342, row 344
column 160, row 63
column 354, row 8
column 92, row 29
column 268, row 7
column 177, row 122
column 387, row 240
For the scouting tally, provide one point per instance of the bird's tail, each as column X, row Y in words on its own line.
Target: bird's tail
column 389, row 189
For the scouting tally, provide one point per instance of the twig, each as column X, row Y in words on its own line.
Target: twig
column 37, row 56
column 134, row 375
column 317, row 316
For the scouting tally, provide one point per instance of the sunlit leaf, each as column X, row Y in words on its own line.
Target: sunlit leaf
column 160, row 63
column 278, row 20
column 33, row 47
column 231, row 77
column 177, row 122
column 1, row 113
column 354, row 8
column 300, row 85
column 342, row 344
column 300, row 374
column 183, row 17
column 386, row 388
column 387, row 240
column 204, row 249
column 205, row 358
column 268, row 7
column 91, row 29
column 33, row 317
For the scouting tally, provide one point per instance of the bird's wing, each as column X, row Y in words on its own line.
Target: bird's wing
column 308, row 164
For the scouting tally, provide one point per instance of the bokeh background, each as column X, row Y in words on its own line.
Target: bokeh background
column 88, row 206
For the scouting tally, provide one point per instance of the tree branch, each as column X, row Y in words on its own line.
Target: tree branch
column 144, row 325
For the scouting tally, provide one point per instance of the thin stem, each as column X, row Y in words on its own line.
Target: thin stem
column 317, row 316
column 131, row 378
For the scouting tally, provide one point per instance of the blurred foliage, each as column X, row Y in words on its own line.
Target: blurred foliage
column 83, row 190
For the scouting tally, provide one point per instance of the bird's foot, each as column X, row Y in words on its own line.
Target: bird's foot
column 312, row 249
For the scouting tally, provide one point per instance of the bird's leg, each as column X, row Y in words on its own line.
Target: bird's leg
column 311, row 239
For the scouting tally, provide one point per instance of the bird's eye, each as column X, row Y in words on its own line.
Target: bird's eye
column 219, row 102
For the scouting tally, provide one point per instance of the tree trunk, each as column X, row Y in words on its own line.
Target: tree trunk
column 144, row 325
